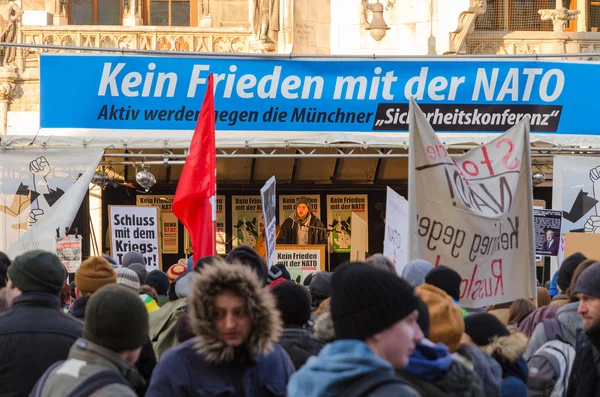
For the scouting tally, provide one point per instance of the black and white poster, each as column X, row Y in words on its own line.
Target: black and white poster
column 546, row 226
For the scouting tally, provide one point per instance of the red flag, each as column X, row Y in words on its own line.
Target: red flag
column 195, row 198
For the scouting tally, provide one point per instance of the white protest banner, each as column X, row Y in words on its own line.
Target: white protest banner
column 339, row 218
column 474, row 213
column 168, row 221
column 221, row 235
column 41, row 190
column 396, row 229
column 134, row 229
column 359, row 236
column 45, row 244
column 287, row 205
column 247, row 220
column 68, row 250
column 269, row 200
column 300, row 261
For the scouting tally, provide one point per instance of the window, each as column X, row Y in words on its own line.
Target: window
column 594, row 16
column 89, row 12
column 515, row 15
column 170, row 12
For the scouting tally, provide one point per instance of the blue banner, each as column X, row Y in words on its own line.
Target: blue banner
column 166, row 92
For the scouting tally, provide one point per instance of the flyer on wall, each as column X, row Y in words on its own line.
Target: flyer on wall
column 339, row 218
column 246, row 220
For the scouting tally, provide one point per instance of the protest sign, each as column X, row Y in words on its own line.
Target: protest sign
column 46, row 244
column 339, row 218
column 247, row 220
column 168, row 221
column 287, row 205
column 301, row 260
column 68, row 250
column 221, row 234
column 269, row 200
column 546, row 226
column 134, row 228
column 358, row 239
column 474, row 213
column 396, row 229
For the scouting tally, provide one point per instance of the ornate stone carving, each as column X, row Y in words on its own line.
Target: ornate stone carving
column 559, row 17
column 264, row 20
column 10, row 14
column 466, row 26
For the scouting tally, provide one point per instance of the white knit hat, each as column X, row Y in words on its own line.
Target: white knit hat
column 128, row 278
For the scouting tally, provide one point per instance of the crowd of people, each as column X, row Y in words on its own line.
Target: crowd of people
column 234, row 327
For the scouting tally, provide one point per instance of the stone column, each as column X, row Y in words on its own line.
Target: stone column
column 559, row 16
column 8, row 76
column 60, row 13
column 132, row 13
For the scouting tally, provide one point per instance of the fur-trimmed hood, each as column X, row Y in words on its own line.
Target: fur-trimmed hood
column 261, row 305
column 509, row 348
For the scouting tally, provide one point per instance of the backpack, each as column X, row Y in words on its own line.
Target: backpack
column 367, row 384
column 550, row 365
column 91, row 384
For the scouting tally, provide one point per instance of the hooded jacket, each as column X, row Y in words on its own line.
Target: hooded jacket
column 337, row 367
column 298, row 343
column 528, row 324
column 584, row 380
column 67, row 376
column 569, row 321
column 206, row 365
column 488, row 369
column 433, row 372
column 508, row 351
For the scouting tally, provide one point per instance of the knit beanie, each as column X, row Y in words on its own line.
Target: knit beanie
column 588, row 282
column 93, row 274
column 200, row 263
column 175, row 271
column 38, row 271
column 446, row 279
column 366, row 300
column 247, row 256
column 293, row 302
column 133, row 257
column 116, row 318
column 567, row 269
column 128, row 278
column 415, row 271
column 446, row 323
column 180, row 288
column 302, row 200
column 484, row 327
column 140, row 270
column 159, row 281
column 278, row 271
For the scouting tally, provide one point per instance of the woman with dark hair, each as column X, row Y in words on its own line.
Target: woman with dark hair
column 519, row 309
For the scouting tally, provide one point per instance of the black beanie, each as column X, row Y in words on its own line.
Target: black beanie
column 446, row 279
column 484, row 327
column 293, row 302
column 200, row 263
column 159, row 281
column 567, row 269
column 589, row 281
column 278, row 271
column 302, row 200
column 247, row 256
column 38, row 271
column 320, row 288
column 116, row 318
column 366, row 300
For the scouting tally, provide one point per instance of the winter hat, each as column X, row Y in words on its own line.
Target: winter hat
column 247, row 256
column 320, row 287
column 128, row 278
column 38, row 271
column 107, row 311
column 484, row 327
column 133, row 257
column 140, row 270
column 274, row 283
column 588, row 282
column 366, row 300
column 93, row 274
column 446, row 323
column 415, row 271
column 381, row 261
column 180, row 288
column 159, row 281
column 446, row 279
column 110, row 260
column 293, row 301
column 190, row 263
column 277, row 271
column 567, row 269
column 302, row 200
column 175, row 271
column 308, row 279
column 200, row 263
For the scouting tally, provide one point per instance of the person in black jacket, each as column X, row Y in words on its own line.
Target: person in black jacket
column 93, row 274
column 585, row 374
column 34, row 333
column 302, row 227
column 293, row 302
